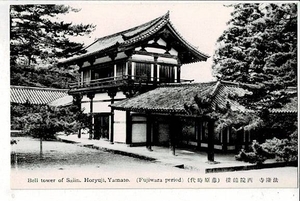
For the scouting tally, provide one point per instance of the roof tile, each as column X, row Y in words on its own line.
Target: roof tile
column 35, row 95
column 172, row 98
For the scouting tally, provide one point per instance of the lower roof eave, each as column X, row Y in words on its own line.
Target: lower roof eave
column 166, row 112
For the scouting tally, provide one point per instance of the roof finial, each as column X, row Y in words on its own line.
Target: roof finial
column 167, row 15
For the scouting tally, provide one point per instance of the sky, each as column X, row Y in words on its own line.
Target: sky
column 199, row 23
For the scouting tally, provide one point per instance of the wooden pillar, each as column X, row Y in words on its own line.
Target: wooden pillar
column 129, row 67
column 77, row 101
column 115, row 71
column 112, row 93
column 128, row 128
column 198, row 125
column 91, row 97
column 239, row 140
column 133, row 70
column 173, row 125
column 210, row 149
column 246, row 137
column 225, row 139
column 148, row 132
column 80, row 81
column 178, row 74
column 155, row 71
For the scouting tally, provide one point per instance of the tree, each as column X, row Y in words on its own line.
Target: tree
column 259, row 46
column 54, row 77
column 46, row 122
column 37, row 34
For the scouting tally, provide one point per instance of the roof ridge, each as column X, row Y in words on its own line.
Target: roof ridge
column 127, row 30
column 157, row 25
column 155, row 21
column 37, row 88
column 216, row 89
column 239, row 84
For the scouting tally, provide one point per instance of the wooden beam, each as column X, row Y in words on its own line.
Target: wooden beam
column 128, row 128
column 91, row 96
column 155, row 54
column 178, row 74
column 173, row 125
column 77, row 101
column 224, row 134
column 210, row 149
column 148, row 132
column 112, row 93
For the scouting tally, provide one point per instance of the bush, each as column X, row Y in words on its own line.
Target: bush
column 258, row 154
column 280, row 149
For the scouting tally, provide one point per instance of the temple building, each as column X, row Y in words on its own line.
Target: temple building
column 131, row 87
column 126, row 64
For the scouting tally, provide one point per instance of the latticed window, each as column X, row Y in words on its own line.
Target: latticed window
column 103, row 72
column 121, row 69
column 166, row 73
column 143, row 71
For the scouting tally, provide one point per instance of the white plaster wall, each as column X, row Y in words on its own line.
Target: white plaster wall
column 99, row 107
column 167, row 60
column 155, row 50
column 139, row 129
column 101, row 102
column 139, row 132
column 161, row 42
column 120, row 95
column 172, row 51
column 86, row 64
column 137, row 57
column 120, row 126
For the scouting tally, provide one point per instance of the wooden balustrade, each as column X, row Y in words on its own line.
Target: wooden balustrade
column 122, row 80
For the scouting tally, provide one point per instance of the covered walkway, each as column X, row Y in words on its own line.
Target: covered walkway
column 193, row 160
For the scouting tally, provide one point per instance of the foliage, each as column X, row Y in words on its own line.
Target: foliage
column 20, row 110
column 280, row 149
column 260, row 47
column 259, row 51
column 50, row 120
column 22, row 75
column 283, row 149
column 38, row 38
column 37, row 35
column 257, row 155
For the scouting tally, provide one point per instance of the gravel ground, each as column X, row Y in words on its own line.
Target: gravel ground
column 59, row 155
column 65, row 160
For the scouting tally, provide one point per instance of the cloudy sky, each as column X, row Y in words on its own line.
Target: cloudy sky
column 200, row 23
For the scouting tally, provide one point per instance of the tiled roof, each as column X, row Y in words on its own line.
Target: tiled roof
column 132, row 36
column 35, row 95
column 172, row 98
column 289, row 108
column 63, row 101
column 166, row 99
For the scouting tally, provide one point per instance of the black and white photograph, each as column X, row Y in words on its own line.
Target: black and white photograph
column 153, row 95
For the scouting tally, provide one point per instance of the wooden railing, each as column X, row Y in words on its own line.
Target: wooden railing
column 120, row 80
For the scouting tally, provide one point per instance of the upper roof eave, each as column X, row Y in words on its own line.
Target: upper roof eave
column 187, row 44
column 154, row 26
